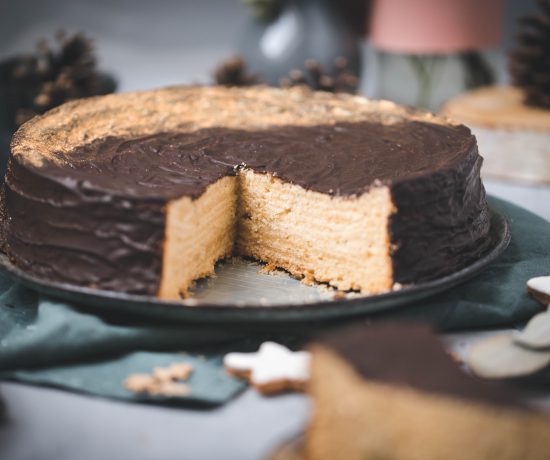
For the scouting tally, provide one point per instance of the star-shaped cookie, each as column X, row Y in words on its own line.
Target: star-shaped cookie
column 272, row 369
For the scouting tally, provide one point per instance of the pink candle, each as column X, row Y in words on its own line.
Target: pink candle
column 435, row 26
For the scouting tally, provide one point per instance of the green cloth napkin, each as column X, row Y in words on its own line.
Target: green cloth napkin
column 55, row 343
column 208, row 384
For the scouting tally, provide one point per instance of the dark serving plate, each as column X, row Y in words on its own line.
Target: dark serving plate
column 241, row 293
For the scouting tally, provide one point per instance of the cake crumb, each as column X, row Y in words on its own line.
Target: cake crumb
column 163, row 381
column 326, row 288
column 269, row 269
column 339, row 295
column 190, row 302
column 162, row 374
column 171, row 389
column 234, row 260
column 181, row 371
column 139, row 383
column 176, row 371
column 309, row 279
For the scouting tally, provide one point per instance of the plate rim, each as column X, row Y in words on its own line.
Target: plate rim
column 195, row 311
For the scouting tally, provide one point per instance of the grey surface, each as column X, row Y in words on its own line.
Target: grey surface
column 149, row 44
column 49, row 424
column 143, row 43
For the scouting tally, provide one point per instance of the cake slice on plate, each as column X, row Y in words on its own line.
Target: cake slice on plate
column 393, row 393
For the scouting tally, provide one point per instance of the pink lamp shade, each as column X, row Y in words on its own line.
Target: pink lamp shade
column 435, row 26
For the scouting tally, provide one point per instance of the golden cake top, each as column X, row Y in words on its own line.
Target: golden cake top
column 190, row 108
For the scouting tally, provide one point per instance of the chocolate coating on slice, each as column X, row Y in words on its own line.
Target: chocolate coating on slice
column 341, row 159
column 80, row 236
column 442, row 223
column 412, row 356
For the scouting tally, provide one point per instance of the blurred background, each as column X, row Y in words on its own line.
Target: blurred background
column 415, row 52
column 147, row 44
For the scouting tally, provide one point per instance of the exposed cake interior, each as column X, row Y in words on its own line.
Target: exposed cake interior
column 198, row 234
column 341, row 241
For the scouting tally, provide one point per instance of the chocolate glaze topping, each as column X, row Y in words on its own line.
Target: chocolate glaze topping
column 339, row 159
column 81, row 236
column 412, row 356
column 94, row 215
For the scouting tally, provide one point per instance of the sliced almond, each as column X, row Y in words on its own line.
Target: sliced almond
column 162, row 374
column 171, row 389
column 180, row 371
column 139, row 383
column 537, row 332
column 162, row 381
column 539, row 288
column 501, row 357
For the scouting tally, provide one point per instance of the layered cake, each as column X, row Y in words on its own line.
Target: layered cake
column 145, row 192
column 392, row 392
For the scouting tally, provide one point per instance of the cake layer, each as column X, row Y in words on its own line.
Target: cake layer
column 78, row 174
column 198, row 234
column 340, row 241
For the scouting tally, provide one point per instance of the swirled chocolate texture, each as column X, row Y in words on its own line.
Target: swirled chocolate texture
column 94, row 213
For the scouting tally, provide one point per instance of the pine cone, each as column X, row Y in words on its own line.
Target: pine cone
column 342, row 80
column 529, row 63
column 265, row 10
column 33, row 84
column 233, row 72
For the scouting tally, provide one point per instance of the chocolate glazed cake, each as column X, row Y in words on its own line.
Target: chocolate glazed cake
column 144, row 192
